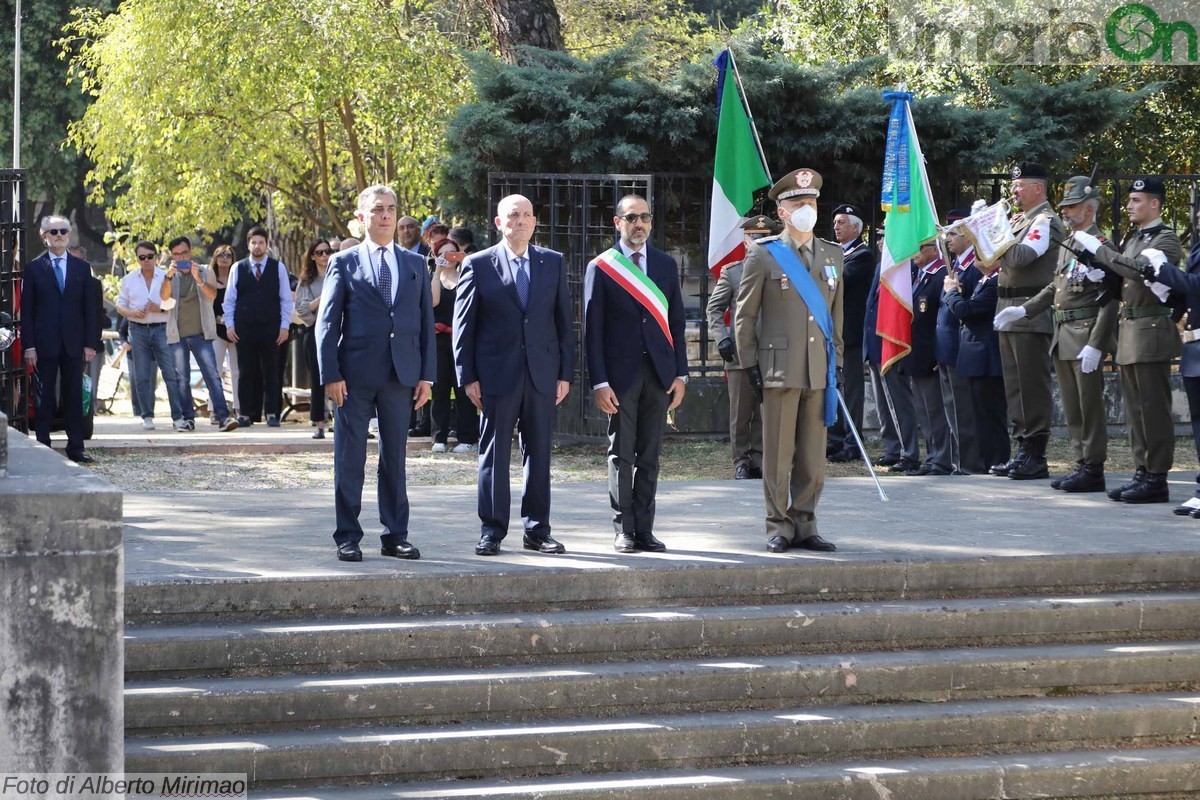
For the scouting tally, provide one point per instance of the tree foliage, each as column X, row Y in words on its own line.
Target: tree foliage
column 202, row 109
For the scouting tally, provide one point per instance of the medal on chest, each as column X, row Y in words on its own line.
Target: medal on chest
column 831, row 275
column 923, row 305
column 784, row 283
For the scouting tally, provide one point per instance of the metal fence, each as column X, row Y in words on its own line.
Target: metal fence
column 13, row 221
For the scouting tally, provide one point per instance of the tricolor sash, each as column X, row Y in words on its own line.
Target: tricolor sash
column 810, row 293
column 617, row 266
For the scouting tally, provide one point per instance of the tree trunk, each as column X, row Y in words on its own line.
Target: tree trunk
column 533, row 23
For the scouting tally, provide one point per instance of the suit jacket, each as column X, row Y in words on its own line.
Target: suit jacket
column 1149, row 339
column 617, row 329
column 926, row 298
column 52, row 322
column 722, row 299
column 978, row 340
column 857, row 273
column 872, row 344
column 948, row 325
column 361, row 336
column 1072, row 290
column 1022, row 268
column 495, row 341
column 775, row 330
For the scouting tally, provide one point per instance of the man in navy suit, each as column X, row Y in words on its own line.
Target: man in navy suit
column 637, row 358
column 377, row 355
column 920, row 365
column 514, row 353
column 57, row 319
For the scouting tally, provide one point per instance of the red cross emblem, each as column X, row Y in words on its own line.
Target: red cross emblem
column 1034, row 235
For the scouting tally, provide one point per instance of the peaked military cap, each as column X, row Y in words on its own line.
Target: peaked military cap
column 1149, row 185
column 955, row 214
column 762, row 224
column 1078, row 189
column 801, row 182
column 1029, row 169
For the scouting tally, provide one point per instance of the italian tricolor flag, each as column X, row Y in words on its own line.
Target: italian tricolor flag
column 911, row 221
column 738, row 171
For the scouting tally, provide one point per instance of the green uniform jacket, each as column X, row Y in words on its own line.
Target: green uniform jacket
column 724, row 296
column 1143, row 339
column 774, row 328
column 1072, row 291
column 1022, row 268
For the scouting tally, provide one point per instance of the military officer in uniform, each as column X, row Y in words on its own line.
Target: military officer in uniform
column 1025, row 269
column 1147, row 339
column 788, row 325
column 1085, row 323
column 745, row 414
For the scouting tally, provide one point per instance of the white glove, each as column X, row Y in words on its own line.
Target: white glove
column 1155, row 257
column 1007, row 316
column 1090, row 358
column 1087, row 241
column 1161, row 290
column 1095, row 275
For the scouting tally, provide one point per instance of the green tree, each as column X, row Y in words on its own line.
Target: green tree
column 204, row 110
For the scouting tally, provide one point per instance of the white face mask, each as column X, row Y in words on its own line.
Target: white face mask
column 804, row 218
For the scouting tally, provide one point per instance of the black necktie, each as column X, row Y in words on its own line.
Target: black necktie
column 637, row 259
column 385, row 276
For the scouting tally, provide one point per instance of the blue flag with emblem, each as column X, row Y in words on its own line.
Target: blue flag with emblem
column 810, row 293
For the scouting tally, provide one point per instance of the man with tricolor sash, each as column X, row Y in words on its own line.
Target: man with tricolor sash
column 634, row 325
column 789, row 337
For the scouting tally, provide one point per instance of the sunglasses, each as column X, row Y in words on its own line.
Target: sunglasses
column 631, row 218
column 323, row 252
column 58, row 231
column 146, row 256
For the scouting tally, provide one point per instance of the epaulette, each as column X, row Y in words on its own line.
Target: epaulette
column 767, row 239
column 826, row 241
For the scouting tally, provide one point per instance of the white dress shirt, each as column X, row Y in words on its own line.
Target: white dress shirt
column 134, row 294
column 286, row 301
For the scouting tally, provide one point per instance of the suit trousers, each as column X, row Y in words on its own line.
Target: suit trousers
column 898, row 412
column 931, row 412
column 1028, row 389
column 1192, row 387
column 634, row 442
column 532, row 414
column 50, row 373
column 793, row 460
column 991, row 415
column 853, row 392
column 960, row 415
column 1083, row 405
column 260, row 379
column 317, row 403
column 1147, row 389
column 393, row 403
column 466, row 424
column 745, row 420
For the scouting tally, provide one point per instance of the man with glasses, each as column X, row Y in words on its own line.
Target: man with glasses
column 56, row 323
column 139, row 301
column 191, row 329
column 633, row 323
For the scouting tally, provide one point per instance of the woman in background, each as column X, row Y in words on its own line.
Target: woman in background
column 308, row 301
column 222, row 260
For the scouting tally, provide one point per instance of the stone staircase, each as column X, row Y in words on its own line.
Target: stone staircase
column 963, row 679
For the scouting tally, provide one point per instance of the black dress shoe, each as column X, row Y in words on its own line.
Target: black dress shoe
column 488, row 546
column 904, row 465
column 844, row 456
column 625, row 543
column 349, row 551
column 930, row 469
column 741, row 472
column 756, row 473
column 778, row 544
column 82, row 458
column 815, row 542
column 888, row 461
column 1185, row 510
column 399, row 549
column 647, row 542
column 542, row 544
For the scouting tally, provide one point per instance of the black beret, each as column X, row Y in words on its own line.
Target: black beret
column 1029, row 169
column 955, row 214
column 847, row 208
column 1149, row 185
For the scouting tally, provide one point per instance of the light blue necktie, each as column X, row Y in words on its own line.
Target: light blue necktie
column 60, row 274
column 522, row 283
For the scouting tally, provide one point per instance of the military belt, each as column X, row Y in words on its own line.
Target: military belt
column 1070, row 315
column 1015, row 292
column 1189, row 336
column 1138, row 312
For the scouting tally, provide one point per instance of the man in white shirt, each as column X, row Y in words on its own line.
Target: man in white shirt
column 138, row 301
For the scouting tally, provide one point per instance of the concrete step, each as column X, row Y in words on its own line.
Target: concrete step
column 613, row 635
column 1164, row 773
column 246, row 705
column 700, row 741
column 661, row 581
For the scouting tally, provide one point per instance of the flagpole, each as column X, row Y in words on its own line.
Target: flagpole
column 749, row 114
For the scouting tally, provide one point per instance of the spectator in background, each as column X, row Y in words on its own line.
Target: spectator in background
column 308, row 301
column 223, row 349
column 258, row 310
column 858, row 260
column 130, row 367
column 427, row 237
column 444, row 283
column 465, row 239
column 409, row 232
column 138, row 301
column 191, row 328
column 349, row 243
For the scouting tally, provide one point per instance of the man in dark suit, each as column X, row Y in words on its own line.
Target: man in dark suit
column 956, row 391
column 58, row 318
column 858, row 269
column 377, row 355
column 514, row 353
column 893, row 397
column 637, row 359
column 920, row 365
